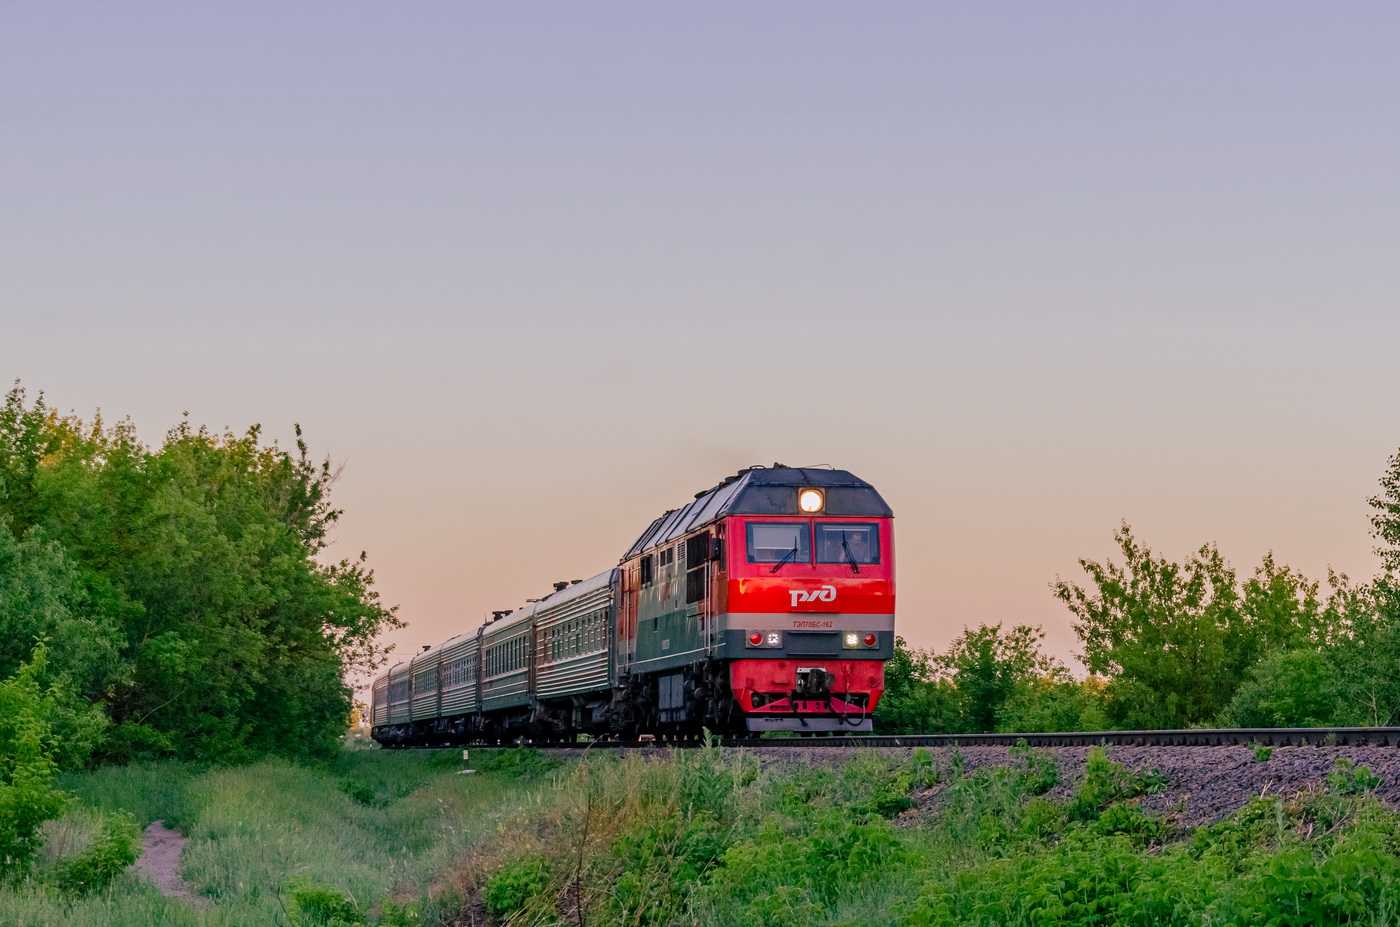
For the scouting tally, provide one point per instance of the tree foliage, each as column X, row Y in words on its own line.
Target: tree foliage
column 1189, row 643
column 1286, row 688
column 1385, row 521
column 916, row 699
column 989, row 679
column 1177, row 644
column 1175, row 639
column 184, row 586
column 988, row 667
column 28, row 762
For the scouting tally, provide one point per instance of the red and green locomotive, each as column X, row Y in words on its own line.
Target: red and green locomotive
column 765, row 604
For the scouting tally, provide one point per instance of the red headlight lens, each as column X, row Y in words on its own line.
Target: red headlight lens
column 870, row 640
column 755, row 639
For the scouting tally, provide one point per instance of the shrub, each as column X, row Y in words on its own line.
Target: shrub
column 1286, row 688
column 116, row 846
column 314, row 904
column 1349, row 881
column 1346, row 779
column 875, row 783
column 517, row 761
column 360, row 793
column 1106, row 782
column 28, row 797
column 392, row 915
column 806, row 863
column 515, row 884
column 1037, row 772
column 661, row 862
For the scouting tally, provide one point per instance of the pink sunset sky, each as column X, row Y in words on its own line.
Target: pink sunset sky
column 535, row 273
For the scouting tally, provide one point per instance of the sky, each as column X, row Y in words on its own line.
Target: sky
column 534, row 273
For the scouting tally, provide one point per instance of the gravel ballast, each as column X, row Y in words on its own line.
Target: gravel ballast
column 1204, row 784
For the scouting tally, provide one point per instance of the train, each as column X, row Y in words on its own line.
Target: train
column 765, row 604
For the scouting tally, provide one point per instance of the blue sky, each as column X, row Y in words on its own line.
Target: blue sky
column 536, row 273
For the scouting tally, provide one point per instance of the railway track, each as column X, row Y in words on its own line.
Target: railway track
column 1272, row 737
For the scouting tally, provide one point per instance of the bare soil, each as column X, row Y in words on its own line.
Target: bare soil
column 160, row 862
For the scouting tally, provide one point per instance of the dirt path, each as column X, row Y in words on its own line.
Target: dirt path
column 160, row 862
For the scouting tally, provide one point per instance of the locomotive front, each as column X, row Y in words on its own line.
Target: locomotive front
column 809, row 617
column 782, row 580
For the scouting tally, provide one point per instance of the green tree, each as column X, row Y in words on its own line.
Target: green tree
column 214, row 625
column 1055, row 702
column 916, row 700
column 1385, row 521
column 986, row 673
column 1364, row 653
column 28, row 797
column 43, row 597
column 1287, row 688
column 988, row 667
column 1176, row 638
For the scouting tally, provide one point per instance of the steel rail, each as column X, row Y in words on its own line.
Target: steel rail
column 1196, row 737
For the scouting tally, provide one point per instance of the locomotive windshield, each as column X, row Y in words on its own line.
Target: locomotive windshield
column 848, row 543
column 779, row 543
column 836, row 542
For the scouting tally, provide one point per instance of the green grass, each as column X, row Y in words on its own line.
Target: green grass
column 374, row 825
column 711, row 838
column 149, row 791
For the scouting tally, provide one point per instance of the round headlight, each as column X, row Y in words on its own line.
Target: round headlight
column 810, row 500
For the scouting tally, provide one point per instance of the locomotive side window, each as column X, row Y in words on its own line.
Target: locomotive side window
column 848, row 543
column 774, row 542
column 646, row 570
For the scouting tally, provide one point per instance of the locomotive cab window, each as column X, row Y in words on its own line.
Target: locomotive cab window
column 771, row 542
column 848, row 543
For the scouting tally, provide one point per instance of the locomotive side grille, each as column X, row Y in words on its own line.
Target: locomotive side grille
column 695, row 584
column 697, row 549
column 697, row 557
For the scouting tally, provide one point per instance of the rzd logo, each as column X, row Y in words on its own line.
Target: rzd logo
column 824, row 594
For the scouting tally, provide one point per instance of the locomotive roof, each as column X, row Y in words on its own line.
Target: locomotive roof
column 765, row 491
